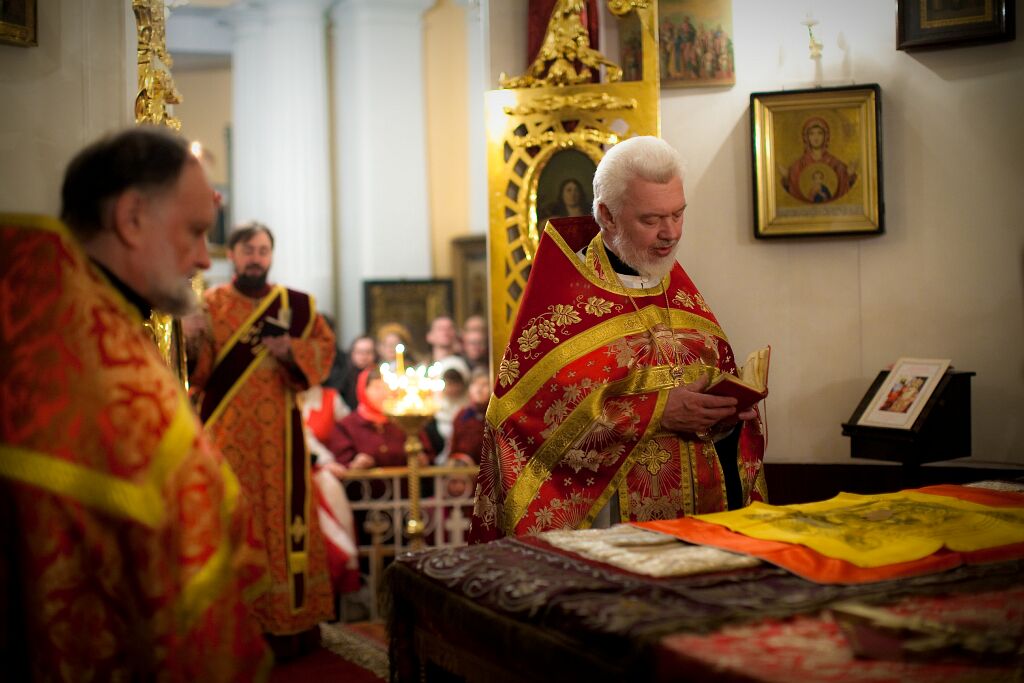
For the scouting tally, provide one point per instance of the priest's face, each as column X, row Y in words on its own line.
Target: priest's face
column 252, row 259
column 645, row 232
column 178, row 221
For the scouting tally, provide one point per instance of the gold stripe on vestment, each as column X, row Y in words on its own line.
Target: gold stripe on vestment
column 258, row 312
column 203, row 587
column 312, row 317
column 35, row 221
column 586, row 270
column 760, row 485
column 140, row 502
column 288, row 484
column 625, row 506
column 686, row 460
column 257, row 358
column 551, row 452
column 615, row 485
column 588, row 341
column 225, row 401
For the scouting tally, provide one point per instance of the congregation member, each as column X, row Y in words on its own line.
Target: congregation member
column 255, row 346
column 443, row 340
column 450, row 401
column 389, row 336
column 366, row 438
column 475, row 350
column 474, row 323
column 127, row 544
column 598, row 414
column 362, row 354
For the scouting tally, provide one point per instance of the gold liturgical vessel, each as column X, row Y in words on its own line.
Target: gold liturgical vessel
column 412, row 404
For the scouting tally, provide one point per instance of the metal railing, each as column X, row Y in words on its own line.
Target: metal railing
column 383, row 501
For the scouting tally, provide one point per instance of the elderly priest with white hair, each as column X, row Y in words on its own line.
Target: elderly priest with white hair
column 599, row 413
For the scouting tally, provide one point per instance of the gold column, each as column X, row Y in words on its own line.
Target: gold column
column 552, row 108
column 155, row 91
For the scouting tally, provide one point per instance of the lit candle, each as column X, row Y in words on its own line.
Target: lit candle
column 400, row 359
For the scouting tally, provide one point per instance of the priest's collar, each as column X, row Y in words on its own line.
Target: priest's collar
column 617, row 264
column 133, row 297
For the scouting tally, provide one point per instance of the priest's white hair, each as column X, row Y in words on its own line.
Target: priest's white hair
column 646, row 157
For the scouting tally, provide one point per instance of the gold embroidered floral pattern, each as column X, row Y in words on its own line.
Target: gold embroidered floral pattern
column 561, row 408
column 562, row 315
column 694, row 300
column 529, row 339
column 683, row 299
column 508, row 371
column 597, row 306
column 579, row 459
column 668, row 506
column 647, row 348
column 547, row 326
column 562, row 513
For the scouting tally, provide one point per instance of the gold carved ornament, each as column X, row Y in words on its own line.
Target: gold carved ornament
column 155, row 91
column 555, row 107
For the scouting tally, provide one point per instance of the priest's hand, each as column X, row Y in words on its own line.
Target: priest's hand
column 687, row 410
column 280, row 347
column 195, row 324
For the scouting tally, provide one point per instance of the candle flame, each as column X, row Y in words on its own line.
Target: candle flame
column 414, row 391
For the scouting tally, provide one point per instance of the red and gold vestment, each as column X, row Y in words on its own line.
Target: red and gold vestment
column 576, row 413
column 248, row 405
column 128, row 544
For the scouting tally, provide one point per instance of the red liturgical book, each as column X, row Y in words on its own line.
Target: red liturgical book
column 750, row 386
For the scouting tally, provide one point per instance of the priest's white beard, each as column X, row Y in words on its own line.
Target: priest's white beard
column 177, row 298
column 650, row 267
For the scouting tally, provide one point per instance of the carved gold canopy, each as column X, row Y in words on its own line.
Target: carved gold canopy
column 155, row 91
column 551, row 126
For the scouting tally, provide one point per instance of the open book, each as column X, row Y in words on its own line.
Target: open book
column 750, row 386
column 276, row 327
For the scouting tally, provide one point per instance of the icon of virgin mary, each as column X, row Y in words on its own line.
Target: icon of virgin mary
column 817, row 176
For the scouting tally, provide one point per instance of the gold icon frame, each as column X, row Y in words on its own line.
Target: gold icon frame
column 527, row 126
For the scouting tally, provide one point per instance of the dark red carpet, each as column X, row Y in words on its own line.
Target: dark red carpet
column 343, row 646
column 321, row 665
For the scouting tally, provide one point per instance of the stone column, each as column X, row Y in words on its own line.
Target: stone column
column 280, row 142
column 248, row 95
column 380, row 152
column 477, row 58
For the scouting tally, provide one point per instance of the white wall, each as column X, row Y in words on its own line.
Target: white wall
column 56, row 97
column 945, row 280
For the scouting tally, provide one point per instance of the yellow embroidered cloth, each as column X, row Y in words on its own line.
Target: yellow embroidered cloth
column 878, row 530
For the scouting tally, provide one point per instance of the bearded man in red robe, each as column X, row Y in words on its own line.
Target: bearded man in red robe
column 128, row 548
column 255, row 347
column 598, row 414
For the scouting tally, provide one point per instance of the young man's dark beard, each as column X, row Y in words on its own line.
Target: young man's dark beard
column 251, row 284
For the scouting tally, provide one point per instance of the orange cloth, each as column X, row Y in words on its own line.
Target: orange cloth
column 814, row 566
column 880, row 529
column 127, row 544
column 252, row 430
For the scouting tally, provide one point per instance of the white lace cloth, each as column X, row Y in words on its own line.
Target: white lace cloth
column 646, row 552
